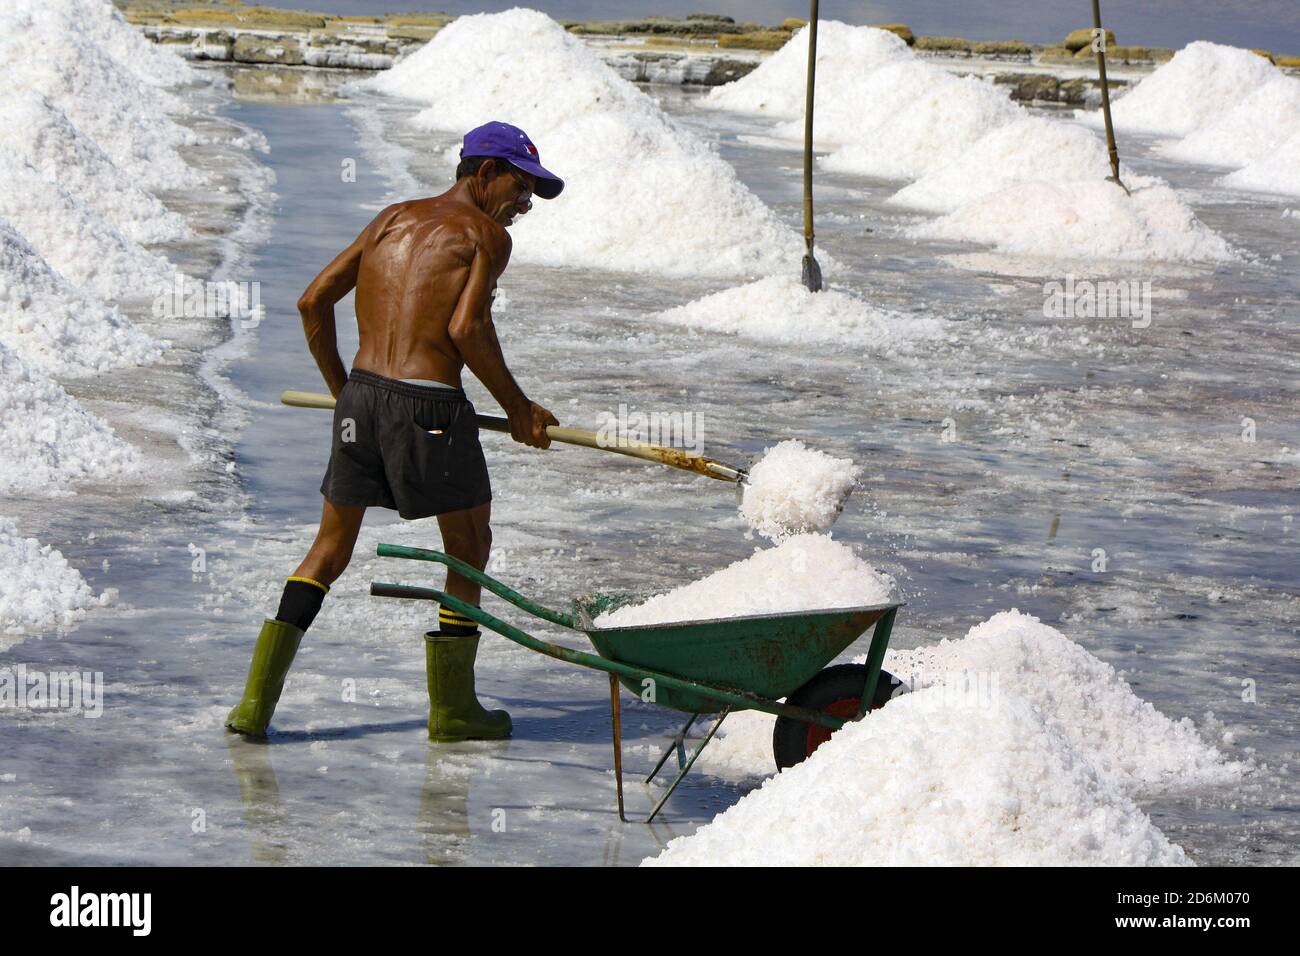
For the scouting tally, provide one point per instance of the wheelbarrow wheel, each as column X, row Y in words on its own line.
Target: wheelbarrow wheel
column 835, row 691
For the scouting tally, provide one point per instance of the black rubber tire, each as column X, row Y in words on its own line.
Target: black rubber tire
column 843, row 681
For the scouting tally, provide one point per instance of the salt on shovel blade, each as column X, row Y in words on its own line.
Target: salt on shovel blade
column 793, row 489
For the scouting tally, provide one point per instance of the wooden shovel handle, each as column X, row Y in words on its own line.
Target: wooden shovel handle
column 672, row 457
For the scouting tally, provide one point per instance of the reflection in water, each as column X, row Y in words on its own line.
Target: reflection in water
column 259, row 795
column 444, row 809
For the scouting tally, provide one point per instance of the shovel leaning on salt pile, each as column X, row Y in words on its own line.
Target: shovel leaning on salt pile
column 792, row 489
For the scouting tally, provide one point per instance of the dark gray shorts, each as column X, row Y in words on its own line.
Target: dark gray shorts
column 410, row 448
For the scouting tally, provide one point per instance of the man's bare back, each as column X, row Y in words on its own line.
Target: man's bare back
column 425, row 272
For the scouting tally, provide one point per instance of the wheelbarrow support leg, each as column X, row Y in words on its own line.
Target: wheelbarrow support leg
column 616, row 724
column 674, row 747
column 690, row 763
column 875, row 657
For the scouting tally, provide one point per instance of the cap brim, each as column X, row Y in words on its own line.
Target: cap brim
column 548, row 186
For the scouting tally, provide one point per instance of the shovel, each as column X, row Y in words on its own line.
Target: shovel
column 672, row 457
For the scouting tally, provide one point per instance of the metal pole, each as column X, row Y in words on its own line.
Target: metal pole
column 812, row 273
column 1099, row 44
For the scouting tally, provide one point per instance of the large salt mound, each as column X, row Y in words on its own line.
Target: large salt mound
column 794, row 489
column 780, row 309
column 1130, row 744
column 39, row 590
column 1090, row 219
column 47, row 440
column 1202, row 82
column 803, row 573
column 81, row 245
column 1251, row 130
column 1278, row 172
column 103, row 23
column 845, row 54
column 641, row 193
column 934, row 779
column 1030, row 149
column 911, row 117
column 57, row 328
column 34, row 130
column 125, row 117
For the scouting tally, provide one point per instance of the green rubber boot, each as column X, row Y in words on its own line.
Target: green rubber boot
column 272, row 655
column 454, row 710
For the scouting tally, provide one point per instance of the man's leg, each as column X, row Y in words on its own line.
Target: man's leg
column 454, row 710
column 301, row 600
column 466, row 535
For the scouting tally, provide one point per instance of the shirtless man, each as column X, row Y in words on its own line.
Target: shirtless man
column 405, row 436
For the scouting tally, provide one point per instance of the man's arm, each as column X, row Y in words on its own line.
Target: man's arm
column 316, row 306
column 475, row 337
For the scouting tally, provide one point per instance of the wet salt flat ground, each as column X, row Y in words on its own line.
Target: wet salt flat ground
column 1069, row 436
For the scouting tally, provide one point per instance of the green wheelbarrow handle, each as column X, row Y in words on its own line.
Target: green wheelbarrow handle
column 724, row 695
column 478, row 577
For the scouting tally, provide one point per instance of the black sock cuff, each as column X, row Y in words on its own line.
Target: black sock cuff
column 300, row 602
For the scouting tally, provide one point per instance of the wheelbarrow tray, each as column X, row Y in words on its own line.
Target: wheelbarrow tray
column 770, row 655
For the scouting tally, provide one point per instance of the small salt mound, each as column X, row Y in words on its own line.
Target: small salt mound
column 933, row 779
column 57, row 328
column 794, row 489
column 1092, row 219
column 34, row 130
column 1130, row 744
column 1251, row 130
column 76, row 241
column 780, row 309
column 642, row 193
column 125, row 117
column 918, row 118
column 47, row 440
column 806, row 572
column 39, row 590
column 1030, row 149
column 1278, row 172
column 776, row 87
column 1202, row 82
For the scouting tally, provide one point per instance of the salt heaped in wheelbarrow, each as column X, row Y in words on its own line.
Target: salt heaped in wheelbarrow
column 803, row 573
column 793, row 489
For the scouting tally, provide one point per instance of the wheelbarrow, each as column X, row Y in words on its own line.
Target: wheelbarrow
column 703, row 667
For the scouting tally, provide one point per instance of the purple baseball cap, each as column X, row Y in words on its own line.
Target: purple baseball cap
column 503, row 141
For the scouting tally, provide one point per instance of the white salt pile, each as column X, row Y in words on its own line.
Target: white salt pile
column 1203, row 82
column 780, row 309
column 1276, row 172
column 46, row 51
column 921, row 118
column 35, row 131
column 844, row 55
column 47, row 440
column 1130, row 742
column 642, row 193
column 39, row 590
column 1246, row 130
column 1090, row 219
column 80, row 244
column 803, row 573
column 1061, row 153
column 932, row 780
column 56, row 327
column 1016, row 747
column 104, row 24
column 1022, row 184
column 793, row 489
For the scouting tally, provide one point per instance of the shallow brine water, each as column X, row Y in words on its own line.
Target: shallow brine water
column 1085, row 471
